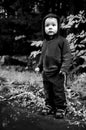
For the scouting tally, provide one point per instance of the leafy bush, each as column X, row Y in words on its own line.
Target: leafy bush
column 37, row 44
column 76, row 99
column 34, row 56
column 76, row 36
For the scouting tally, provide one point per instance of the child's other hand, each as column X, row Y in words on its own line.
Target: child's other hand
column 65, row 77
column 37, row 69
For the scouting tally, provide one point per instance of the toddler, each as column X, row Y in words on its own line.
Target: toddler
column 54, row 62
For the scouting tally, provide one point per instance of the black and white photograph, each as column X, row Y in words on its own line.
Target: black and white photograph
column 42, row 64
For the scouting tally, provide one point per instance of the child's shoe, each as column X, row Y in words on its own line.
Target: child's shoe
column 60, row 113
column 48, row 110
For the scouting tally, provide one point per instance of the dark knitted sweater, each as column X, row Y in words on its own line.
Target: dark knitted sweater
column 55, row 56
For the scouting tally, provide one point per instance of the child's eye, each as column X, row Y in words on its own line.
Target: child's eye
column 47, row 25
column 53, row 25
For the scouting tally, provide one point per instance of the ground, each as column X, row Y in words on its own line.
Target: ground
column 22, row 99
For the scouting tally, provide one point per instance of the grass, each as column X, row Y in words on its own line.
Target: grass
column 22, row 92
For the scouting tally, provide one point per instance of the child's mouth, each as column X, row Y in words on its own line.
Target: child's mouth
column 50, row 31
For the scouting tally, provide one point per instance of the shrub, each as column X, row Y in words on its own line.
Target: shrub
column 76, row 36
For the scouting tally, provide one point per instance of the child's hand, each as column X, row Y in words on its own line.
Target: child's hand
column 62, row 73
column 37, row 69
column 65, row 78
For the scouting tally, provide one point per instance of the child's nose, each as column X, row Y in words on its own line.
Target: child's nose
column 50, row 27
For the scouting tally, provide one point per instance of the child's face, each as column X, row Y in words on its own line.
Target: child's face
column 51, row 26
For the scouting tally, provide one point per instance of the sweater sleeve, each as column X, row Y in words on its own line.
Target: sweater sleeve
column 66, row 57
column 40, row 63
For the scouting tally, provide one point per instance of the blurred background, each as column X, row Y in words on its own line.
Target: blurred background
column 20, row 27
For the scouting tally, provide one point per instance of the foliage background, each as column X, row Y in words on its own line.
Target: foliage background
column 20, row 28
column 20, row 21
column 20, row 45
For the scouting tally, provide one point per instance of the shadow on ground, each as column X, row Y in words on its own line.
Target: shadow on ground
column 38, row 122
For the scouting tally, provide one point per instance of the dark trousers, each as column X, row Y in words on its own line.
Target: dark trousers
column 54, row 91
